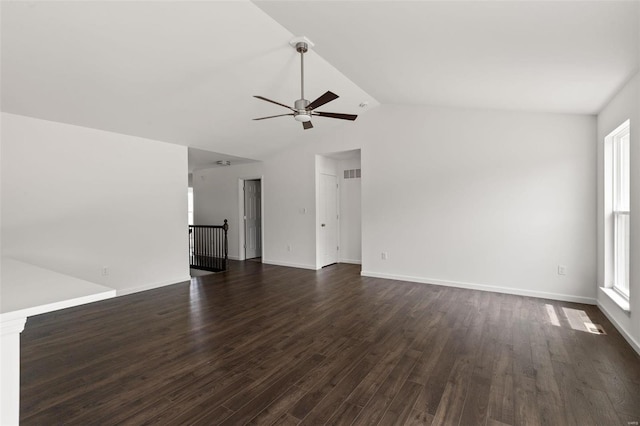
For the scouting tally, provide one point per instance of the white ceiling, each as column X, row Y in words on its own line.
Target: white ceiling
column 200, row 159
column 550, row 56
column 185, row 72
column 180, row 72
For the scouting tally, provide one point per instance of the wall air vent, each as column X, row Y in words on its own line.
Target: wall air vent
column 352, row 174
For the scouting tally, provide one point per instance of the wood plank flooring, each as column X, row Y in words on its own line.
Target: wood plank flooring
column 263, row 344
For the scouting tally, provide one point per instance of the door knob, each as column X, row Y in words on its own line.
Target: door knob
column 322, row 225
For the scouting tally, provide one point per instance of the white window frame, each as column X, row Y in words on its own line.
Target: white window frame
column 619, row 206
column 190, row 205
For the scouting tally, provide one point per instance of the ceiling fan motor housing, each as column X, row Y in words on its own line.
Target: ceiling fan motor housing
column 301, row 105
column 302, row 114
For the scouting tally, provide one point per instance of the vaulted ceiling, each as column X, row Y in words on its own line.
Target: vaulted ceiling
column 185, row 72
column 562, row 56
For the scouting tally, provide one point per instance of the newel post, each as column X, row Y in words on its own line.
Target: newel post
column 226, row 243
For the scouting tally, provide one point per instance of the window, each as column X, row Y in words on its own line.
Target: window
column 618, row 143
column 190, row 205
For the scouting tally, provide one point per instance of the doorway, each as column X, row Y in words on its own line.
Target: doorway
column 252, row 189
column 338, row 191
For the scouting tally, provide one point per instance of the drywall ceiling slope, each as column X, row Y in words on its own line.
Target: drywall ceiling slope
column 200, row 159
column 179, row 72
column 567, row 57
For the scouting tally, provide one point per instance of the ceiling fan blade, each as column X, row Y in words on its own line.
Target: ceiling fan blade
column 326, row 98
column 271, row 116
column 307, row 125
column 273, row 102
column 336, row 115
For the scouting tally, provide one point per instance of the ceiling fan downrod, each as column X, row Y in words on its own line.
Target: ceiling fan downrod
column 302, row 103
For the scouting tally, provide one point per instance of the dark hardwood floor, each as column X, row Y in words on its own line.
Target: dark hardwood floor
column 264, row 344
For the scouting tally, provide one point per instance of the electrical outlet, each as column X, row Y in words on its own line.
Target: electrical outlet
column 105, row 271
column 562, row 270
column 384, row 255
column 288, row 247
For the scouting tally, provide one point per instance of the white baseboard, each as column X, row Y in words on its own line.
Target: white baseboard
column 634, row 344
column 351, row 261
column 234, row 257
column 290, row 265
column 125, row 291
column 484, row 287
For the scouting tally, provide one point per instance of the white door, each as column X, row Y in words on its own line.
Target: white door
column 328, row 219
column 252, row 219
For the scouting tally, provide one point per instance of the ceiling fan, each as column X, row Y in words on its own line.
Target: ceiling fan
column 303, row 110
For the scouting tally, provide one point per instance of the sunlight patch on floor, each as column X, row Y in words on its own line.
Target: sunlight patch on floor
column 579, row 320
column 553, row 317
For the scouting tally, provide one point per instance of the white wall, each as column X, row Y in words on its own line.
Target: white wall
column 289, row 207
column 217, row 196
column 625, row 105
column 75, row 200
column 483, row 199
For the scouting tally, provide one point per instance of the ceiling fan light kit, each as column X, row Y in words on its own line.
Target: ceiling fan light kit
column 302, row 117
column 303, row 109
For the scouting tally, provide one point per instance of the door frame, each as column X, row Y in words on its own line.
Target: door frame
column 241, row 237
column 335, row 167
